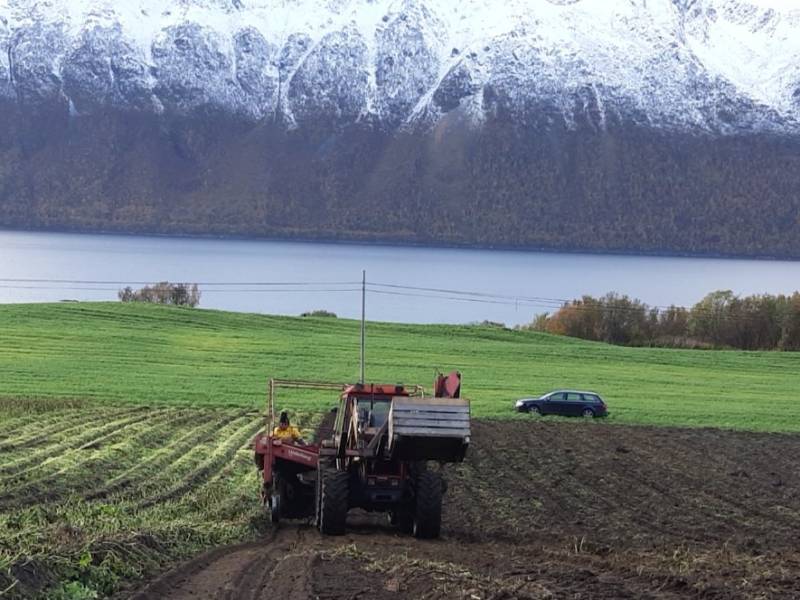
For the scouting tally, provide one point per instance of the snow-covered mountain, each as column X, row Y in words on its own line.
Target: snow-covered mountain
column 719, row 66
column 634, row 125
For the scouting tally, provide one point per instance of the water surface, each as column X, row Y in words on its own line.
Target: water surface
column 527, row 282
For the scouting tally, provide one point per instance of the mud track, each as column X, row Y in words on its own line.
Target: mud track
column 553, row 510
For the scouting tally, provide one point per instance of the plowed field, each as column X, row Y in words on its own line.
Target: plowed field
column 539, row 510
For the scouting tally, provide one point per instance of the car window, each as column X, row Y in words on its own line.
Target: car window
column 573, row 397
column 558, row 396
column 591, row 398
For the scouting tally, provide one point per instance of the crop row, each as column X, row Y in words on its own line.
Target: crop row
column 97, row 496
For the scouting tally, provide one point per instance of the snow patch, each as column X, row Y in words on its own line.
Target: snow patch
column 714, row 65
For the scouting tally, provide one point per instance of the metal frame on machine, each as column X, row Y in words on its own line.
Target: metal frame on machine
column 273, row 384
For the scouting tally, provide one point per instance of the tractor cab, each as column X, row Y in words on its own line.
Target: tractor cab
column 362, row 419
column 372, row 413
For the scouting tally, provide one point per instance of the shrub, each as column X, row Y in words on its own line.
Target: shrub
column 164, row 292
column 319, row 313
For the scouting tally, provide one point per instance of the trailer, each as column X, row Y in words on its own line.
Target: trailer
column 381, row 449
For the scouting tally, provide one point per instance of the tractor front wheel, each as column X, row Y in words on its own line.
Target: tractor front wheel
column 333, row 502
column 428, row 509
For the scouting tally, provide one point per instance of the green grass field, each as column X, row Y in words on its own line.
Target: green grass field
column 153, row 355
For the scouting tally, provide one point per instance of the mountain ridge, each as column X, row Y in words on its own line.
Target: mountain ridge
column 671, row 63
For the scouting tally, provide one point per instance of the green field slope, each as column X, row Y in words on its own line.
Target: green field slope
column 152, row 355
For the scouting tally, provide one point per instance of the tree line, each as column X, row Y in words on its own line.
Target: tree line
column 720, row 320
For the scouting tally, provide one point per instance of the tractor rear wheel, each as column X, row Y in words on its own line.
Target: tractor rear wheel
column 333, row 502
column 428, row 509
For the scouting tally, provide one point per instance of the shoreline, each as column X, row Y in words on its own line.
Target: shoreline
column 405, row 244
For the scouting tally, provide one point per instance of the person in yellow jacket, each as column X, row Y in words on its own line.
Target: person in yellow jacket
column 286, row 431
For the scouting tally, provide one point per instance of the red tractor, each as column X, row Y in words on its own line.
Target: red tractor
column 374, row 456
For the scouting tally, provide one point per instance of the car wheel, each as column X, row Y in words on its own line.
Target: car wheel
column 588, row 413
column 534, row 410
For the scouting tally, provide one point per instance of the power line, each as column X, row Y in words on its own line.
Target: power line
column 535, row 300
column 203, row 291
column 199, row 283
column 469, row 293
column 458, row 299
column 578, row 304
column 517, row 299
column 279, row 291
column 52, row 288
column 598, row 307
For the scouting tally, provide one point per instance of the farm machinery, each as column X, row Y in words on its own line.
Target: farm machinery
column 376, row 450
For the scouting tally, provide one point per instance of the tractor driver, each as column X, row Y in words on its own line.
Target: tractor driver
column 285, row 431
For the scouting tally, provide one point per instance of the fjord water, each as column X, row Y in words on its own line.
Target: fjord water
column 327, row 276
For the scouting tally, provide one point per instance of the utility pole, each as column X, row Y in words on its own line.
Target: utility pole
column 363, row 321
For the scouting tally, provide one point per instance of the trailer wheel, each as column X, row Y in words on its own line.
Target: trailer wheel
column 277, row 499
column 275, row 508
column 334, row 500
column 428, row 510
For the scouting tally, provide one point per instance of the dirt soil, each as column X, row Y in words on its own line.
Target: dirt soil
column 553, row 510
